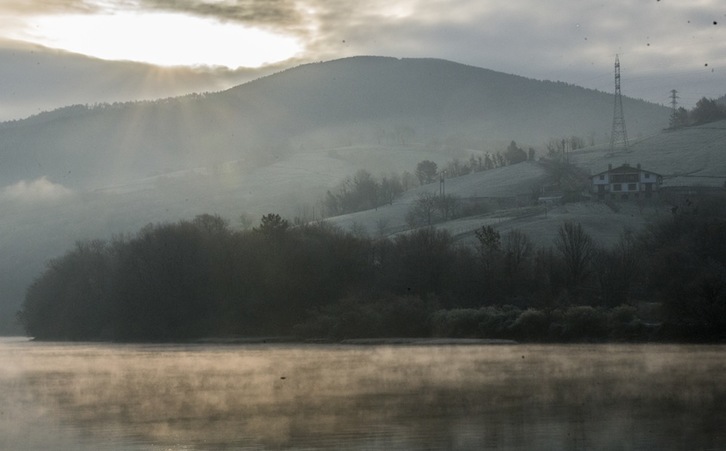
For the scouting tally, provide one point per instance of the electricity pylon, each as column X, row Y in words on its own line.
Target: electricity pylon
column 618, row 136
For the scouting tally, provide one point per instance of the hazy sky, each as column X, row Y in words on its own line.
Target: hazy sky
column 663, row 44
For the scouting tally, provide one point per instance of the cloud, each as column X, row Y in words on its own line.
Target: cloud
column 266, row 13
column 40, row 189
column 35, row 7
column 541, row 36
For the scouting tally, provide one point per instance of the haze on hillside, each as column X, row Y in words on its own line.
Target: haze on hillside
column 357, row 101
column 277, row 144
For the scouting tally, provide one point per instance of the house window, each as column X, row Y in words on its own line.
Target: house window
column 631, row 187
column 602, row 177
column 647, row 175
column 617, row 187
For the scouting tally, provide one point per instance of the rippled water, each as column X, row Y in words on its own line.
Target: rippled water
column 207, row 397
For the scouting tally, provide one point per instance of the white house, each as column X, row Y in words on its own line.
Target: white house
column 624, row 182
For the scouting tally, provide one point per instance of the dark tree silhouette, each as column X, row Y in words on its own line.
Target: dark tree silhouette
column 272, row 225
column 707, row 110
column 426, row 171
column 70, row 301
column 679, row 118
column 490, row 245
column 515, row 154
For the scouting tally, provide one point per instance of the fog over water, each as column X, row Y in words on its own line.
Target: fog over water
column 183, row 397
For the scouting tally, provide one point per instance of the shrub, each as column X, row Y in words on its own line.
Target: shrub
column 584, row 323
column 404, row 316
column 531, row 324
column 359, row 317
column 623, row 323
column 486, row 322
column 456, row 323
column 496, row 322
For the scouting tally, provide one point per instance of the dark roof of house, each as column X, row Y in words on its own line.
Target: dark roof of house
column 624, row 169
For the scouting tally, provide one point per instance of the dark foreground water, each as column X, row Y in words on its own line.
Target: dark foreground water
column 208, row 397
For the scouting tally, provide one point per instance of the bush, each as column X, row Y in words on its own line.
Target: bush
column 584, row 323
column 456, row 323
column 486, row 322
column 496, row 322
column 404, row 316
column 531, row 325
column 624, row 323
column 359, row 317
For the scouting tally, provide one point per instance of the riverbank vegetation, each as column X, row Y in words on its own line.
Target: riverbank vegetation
column 200, row 278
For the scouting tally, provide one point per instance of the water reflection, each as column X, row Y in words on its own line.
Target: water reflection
column 103, row 396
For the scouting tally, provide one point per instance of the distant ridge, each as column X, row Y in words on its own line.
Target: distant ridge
column 329, row 104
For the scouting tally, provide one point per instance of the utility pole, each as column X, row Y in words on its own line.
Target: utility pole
column 618, row 136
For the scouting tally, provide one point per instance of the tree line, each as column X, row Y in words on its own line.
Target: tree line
column 364, row 191
column 200, row 278
column 706, row 110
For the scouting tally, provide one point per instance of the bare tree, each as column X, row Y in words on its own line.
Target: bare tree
column 390, row 188
column 447, row 205
column 423, row 209
column 618, row 269
column 576, row 248
column 517, row 249
column 408, row 181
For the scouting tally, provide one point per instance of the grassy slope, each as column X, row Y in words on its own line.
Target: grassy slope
column 314, row 106
column 693, row 156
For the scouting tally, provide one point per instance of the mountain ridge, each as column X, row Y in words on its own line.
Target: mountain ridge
column 312, row 105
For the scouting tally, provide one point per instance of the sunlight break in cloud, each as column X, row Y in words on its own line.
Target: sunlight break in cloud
column 166, row 39
column 39, row 189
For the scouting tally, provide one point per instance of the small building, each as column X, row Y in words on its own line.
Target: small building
column 625, row 182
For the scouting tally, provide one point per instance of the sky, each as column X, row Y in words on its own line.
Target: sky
column 61, row 52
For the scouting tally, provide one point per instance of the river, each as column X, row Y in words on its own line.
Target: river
column 81, row 396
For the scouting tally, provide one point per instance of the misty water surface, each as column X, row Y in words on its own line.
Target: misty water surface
column 174, row 397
